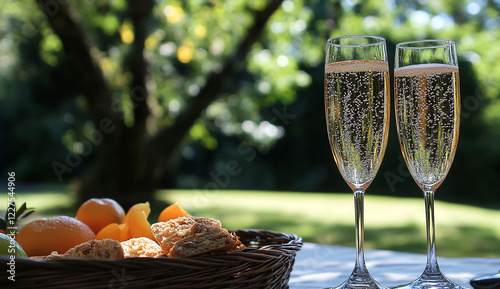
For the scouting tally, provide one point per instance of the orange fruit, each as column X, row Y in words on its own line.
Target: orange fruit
column 135, row 225
column 123, row 232
column 173, row 211
column 98, row 213
column 111, row 231
column 137, row 221
column 41, row 237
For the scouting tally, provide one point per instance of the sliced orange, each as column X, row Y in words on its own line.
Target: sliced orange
column 112, row 231
column 136, row 225
column 173, row 211
column 137, row 221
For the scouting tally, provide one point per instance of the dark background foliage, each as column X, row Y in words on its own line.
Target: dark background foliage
column 264, row 126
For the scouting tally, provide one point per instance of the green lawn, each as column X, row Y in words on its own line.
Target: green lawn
column 390, row 223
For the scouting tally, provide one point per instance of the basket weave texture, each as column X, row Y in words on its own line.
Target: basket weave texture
column 266, row 262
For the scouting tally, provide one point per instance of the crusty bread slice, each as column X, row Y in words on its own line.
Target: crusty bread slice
column 94, row 249
column 213, row 239
column 141, row 247
column 168, row 233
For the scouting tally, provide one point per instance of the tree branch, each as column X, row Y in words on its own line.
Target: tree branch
column 81, row 55
column 333, row 14
column 171, row 138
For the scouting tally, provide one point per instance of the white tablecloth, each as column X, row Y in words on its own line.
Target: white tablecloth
column 319, row 266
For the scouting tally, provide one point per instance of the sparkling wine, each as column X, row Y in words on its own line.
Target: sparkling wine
column 427, row 110
column 357, row 116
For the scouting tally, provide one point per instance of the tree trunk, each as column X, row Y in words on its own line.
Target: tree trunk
column 123, row 172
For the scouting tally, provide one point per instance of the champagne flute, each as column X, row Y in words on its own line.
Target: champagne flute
column 357, row 103
column 427, row 103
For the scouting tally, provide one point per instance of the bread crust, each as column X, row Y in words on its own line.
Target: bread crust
column 168, row 233
column 212, row 240
column 192, row 236
column 106, row 249
column 141, row 247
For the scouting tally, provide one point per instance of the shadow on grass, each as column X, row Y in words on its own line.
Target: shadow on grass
column 61, row 210
column 469, row 241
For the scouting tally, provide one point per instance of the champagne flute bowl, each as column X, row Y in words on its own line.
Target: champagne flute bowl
column 357, row 104
column 427, row 104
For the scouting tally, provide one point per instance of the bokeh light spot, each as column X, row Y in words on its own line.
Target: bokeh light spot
column 174, row 14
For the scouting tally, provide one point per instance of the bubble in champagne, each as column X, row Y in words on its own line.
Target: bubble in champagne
column 357, row 112
column 427, row 114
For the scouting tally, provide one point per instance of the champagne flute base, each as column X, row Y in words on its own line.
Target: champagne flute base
column 359, row 279
column 428, row 280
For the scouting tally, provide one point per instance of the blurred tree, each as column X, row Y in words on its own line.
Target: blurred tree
column 144, row 72
column 173, row 93
column 135, row 147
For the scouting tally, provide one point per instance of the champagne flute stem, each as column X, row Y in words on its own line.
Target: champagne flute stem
column 432, row 264
column 359, row 199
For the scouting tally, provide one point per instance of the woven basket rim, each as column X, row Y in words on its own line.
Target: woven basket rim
column 267, row 263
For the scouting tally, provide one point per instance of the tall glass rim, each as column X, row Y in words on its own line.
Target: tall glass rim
column 412, row 44
column 378, row 41
column 412, row 48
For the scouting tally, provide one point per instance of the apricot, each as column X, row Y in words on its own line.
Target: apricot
column 137, row 221
column 135, row 225
column 173, row 211
column 112, row 231
column 98, row 213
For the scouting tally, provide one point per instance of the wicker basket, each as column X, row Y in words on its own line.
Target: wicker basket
column 265, row 263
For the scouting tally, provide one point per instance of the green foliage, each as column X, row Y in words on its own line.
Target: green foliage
column 44, row 117
column 13, row 215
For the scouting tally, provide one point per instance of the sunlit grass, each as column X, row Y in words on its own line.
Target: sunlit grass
column 390, row 223
column 46, row 203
